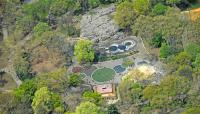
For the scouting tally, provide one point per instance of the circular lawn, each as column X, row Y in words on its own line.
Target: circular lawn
column 103, row 74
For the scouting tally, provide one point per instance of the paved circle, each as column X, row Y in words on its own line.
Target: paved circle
column 103, row 74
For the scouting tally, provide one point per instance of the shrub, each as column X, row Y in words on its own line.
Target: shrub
column 159, row 9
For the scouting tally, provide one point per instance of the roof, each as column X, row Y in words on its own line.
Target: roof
column 195, row 13
column 106, row 90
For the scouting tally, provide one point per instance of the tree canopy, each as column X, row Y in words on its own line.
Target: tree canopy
column 45, row 101
column 83, row 51
column 125, row 14
column 87, row 108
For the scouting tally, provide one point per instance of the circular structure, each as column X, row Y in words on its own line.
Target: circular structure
column 122, row 47
column 129, row 43
column 113, row 48
column 103, row 74
column 119, row 69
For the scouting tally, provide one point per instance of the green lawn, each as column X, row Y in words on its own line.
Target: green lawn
column 104, row 74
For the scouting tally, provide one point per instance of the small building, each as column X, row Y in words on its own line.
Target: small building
column 106, row 90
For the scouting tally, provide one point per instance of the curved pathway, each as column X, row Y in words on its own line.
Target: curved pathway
column 10, row 67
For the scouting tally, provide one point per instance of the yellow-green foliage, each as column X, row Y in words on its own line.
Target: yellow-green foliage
column 83, row 51
column 47, row 101
column 125, row 14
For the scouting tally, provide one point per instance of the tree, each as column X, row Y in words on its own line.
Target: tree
column 93, row 3
column 183, row 58
column 159, row 9
column 173, row 2
column 55, row 80
column 125, row 14
column 157, row 40
column 40, row 28
column 141, row 6
column 164, row 50
column 171, row 91
column 45, row 102
column 197, row 62
column 87, row 108
column 185, row 70
column 74, row 80
column 130, row 92
column 112, row 109
column 192, row 110
column 26, row 90
column 59, row 7
column 93, row 97
column 22, row 65
column 9, row 104
column 37, row 10
column 193, row 49
column 83, row 50
column 25, row 24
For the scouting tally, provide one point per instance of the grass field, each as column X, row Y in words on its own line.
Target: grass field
column 104, row 74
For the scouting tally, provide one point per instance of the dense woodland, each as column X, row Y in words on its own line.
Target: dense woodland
column 45, row 30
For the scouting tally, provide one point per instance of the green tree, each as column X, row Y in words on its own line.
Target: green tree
column 165, row 50
column 25, row 24
column 192, row 110
column 183, row 58
column 40, row 28
column 130, row 92
column 83, row 50
column 173, row 2
column 74, row 80
column 159, row 9
column 10, row 105
column 93, row 97
column 168, row 93
column 55, row 80
column 22, row 65
column 125, row 14
column 87, row 108
column 197, row 62
column 193, row 49
column 185, row 70
column 38, row 10
column 142, row 6
column 26, row 90
column 45, row 102
column 93, row 3
column 157, row 40
column 112, row 109
column 59, row 7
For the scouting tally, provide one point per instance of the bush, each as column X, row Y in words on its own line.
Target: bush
column 127, row 62
column 159, row 9
column 165, row 50
column 74, row 80
column 93, row 3
column 157, row 40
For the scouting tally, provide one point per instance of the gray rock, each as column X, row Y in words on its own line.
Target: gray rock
column 99, row 25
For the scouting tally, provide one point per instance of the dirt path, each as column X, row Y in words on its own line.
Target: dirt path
column 5, row 33
column 10, row 67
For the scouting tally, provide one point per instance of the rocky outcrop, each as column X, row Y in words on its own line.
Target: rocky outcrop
column 99, row 25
